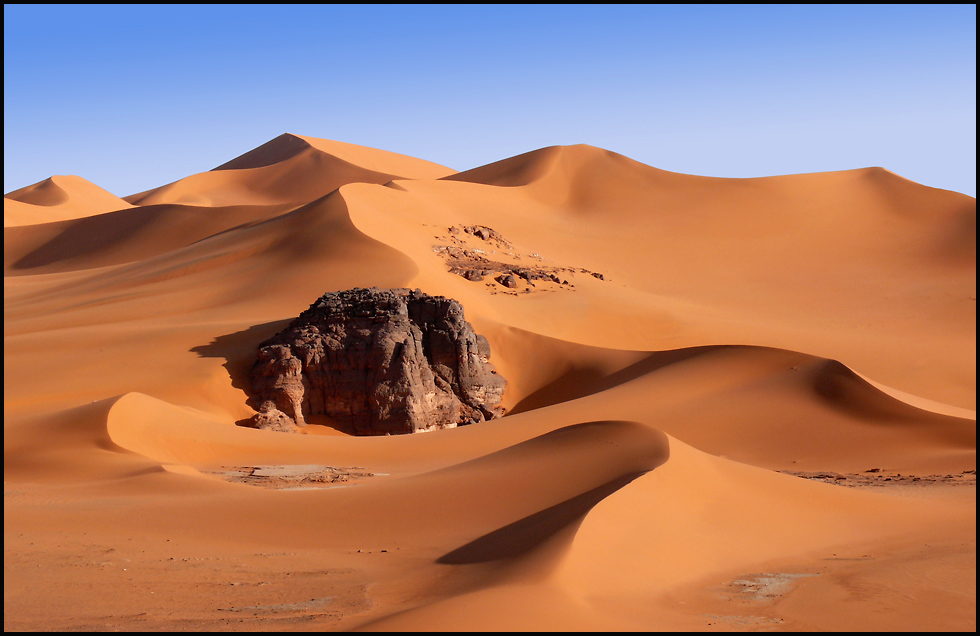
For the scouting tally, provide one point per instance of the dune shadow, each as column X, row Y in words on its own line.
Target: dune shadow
column 134, row 234
column 526, row 534
column 282, row 148
column 239, row 350
column 841, row 389
column 580, row 383
column 81, row 237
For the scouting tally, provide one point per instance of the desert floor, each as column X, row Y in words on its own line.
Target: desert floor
column 738, row 405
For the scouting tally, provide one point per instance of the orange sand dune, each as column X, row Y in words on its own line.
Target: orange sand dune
column 859, row 266
column 701, row 347
column 58, row 198
column 290, row 169
column 121, row 237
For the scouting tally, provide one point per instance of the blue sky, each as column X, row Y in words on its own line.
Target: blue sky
column 133, row 97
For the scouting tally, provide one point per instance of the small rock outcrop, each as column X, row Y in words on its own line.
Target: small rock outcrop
column 470, row 251
column 270, row 418
column 377, row 362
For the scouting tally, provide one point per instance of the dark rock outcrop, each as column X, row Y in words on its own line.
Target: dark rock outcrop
column 378, row 362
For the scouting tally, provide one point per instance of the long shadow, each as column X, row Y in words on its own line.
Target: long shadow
column 83, row 236
column 582, row 382
column 238, row 350
column 843, row 390
column 526, row 534
column 98, row 236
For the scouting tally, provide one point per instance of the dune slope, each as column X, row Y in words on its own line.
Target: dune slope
column 289, row 169
column 58, row 198
column 732, row 403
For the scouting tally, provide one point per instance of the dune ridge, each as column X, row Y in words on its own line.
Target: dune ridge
column 289, row 169
column 58, row 198
column 689, row 359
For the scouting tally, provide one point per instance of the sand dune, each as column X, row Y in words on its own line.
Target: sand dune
column 688, row 360
column 753, row 261
column 289, row 169
column 58, row 198
column 121, row 237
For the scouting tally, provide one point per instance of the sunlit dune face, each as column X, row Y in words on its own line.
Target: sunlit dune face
column 730, row 403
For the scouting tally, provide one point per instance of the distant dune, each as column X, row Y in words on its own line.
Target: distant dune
column 732, row 404
column 58, row 198
column 290, row 169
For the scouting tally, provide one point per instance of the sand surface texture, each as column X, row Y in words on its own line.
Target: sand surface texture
column 733, row 404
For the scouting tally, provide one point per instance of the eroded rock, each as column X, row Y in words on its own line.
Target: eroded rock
column 476, row 264
column 377, row 362
column 270, row 418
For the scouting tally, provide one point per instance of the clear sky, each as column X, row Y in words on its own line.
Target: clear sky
column 133, row 97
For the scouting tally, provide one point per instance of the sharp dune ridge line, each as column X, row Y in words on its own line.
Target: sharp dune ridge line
column 688, row 360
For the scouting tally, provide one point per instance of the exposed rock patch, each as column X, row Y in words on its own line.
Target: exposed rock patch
column 270, row 418
column 486, row 234
column 377, row 362
column 878, row 477
column 492, row 256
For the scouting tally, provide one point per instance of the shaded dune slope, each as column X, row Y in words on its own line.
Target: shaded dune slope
column 648, row 410
column 625, row 553
column 312, row 247
column 281, row 175
column 774, row 409
column 594, row 457
column 767, row 407
column 861, row 266
column 120, row 237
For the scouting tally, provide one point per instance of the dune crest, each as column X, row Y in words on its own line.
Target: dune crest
column 58, row 198
column 44, row 193
column 574, row 176
column 692, row 440
column 289, row 169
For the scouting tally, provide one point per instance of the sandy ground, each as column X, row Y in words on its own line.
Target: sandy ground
column 733, row 404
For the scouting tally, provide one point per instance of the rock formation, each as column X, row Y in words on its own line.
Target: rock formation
column 377, row 362
column 471, row 260
column 270, row 418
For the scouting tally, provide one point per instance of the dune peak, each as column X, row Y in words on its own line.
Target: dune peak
column 283, row 147
column 49, row 192
column 288, row 145
column 58, row 198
